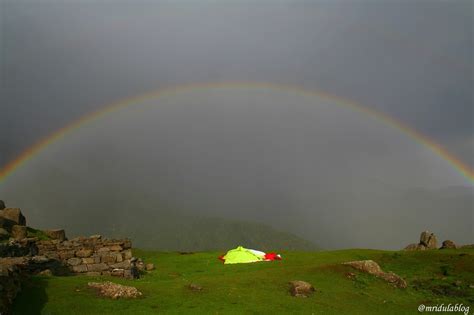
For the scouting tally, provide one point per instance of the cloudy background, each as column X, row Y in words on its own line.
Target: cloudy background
column 409, row 59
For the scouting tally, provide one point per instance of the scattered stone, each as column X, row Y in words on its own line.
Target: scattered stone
column 57, row 234
column 13, row 214
column 301, row 288
column 194, row 287
column 448, row 244
column 471, row 286
column 19, row 232
column 371, row 267
column 149, row 267
column 457, row 283
column 115, row 291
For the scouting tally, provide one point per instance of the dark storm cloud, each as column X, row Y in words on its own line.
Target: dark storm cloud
column 62, row 59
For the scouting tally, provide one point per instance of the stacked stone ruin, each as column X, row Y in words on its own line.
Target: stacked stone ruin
column 22, row 256
column 93, row 255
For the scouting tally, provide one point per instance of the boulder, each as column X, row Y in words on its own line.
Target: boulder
column 301, row 288
column 13, row 214
column 448, row 244
column 429, row 240
column 19, row 232
column 2, row 205
column 367, row 266
column 371, row 267
column 57, row 234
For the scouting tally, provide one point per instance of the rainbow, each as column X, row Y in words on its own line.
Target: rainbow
column 30, row 153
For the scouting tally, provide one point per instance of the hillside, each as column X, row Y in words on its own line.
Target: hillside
column 193, row 233
column 433, row 277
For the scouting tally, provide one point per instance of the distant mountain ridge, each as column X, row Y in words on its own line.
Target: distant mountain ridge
column 188, row 233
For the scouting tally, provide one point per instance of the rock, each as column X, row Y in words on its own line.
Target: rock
column 116, row 248
column 83, row 253
column 109, row 258
column 88, row 260
column 97, row 267
column 149, row 267
column 115, row 291
column 74, row 261
column 471, row 286
column 66, row 254
column 448, row 244
column 368, row 266
column 122, row 265
column 2, row 205
column 13, row 214
column 127, row 254
column 415, row 247
column 394, row 279
column 6, row 223
column 371, row 267
column 46, row 273
column 301, row 288
column 429, row 240
column 118, row 272
column 457, row 283
column 4, row 235
column 93, row 273
column 58, row 234
column 19, row 232
column 80, row 268
column 194, row 287
column 103, row 251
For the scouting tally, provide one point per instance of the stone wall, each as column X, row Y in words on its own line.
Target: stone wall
column 10, row 285
column 93, row 255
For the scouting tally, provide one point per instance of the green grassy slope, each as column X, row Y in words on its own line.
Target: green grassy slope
column 261, row 288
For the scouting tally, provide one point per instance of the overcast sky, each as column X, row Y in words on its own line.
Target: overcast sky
column 410, row 59
column 301, row 164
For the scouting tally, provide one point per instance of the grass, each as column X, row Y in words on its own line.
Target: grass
column 31, row 232
column 262, row 288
